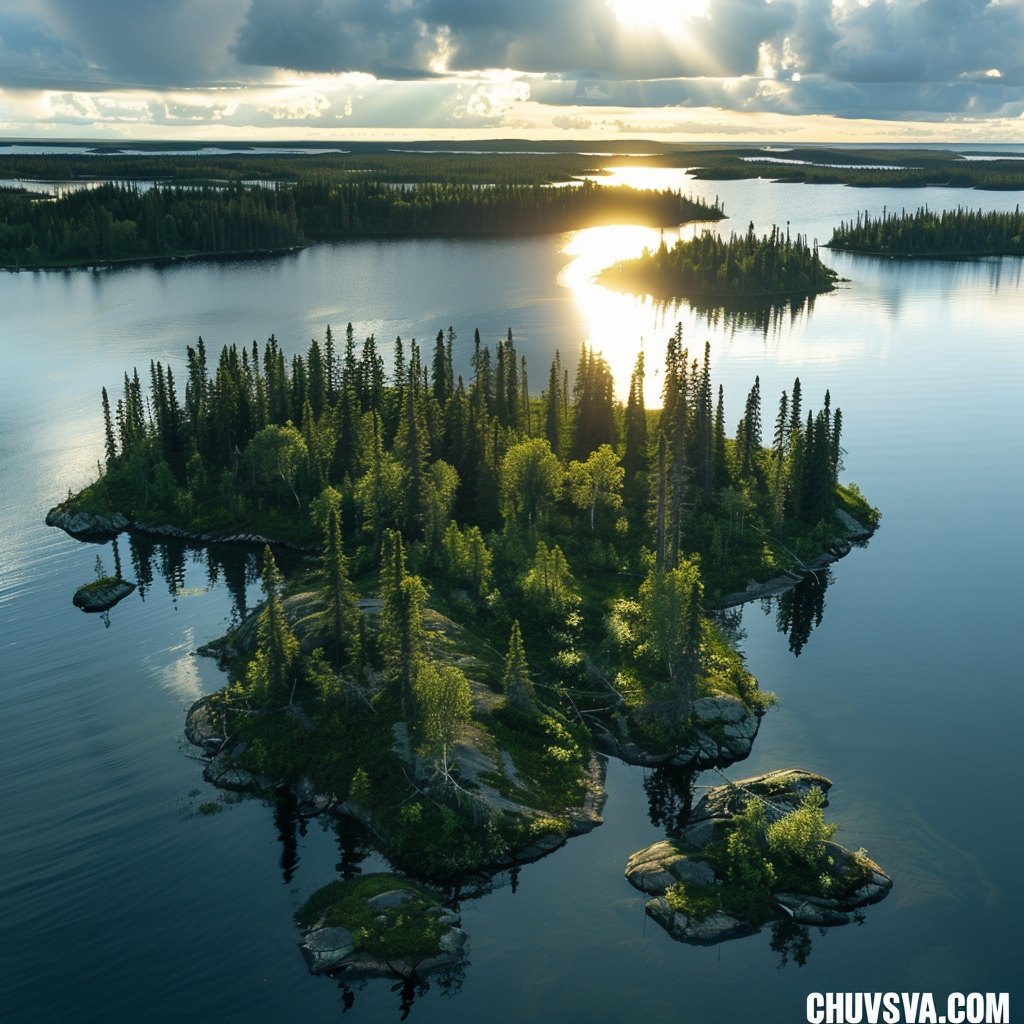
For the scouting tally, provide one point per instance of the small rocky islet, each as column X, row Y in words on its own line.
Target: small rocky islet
column 693, row 879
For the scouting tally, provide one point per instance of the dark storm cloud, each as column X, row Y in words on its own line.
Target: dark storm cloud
column 31, row 51
column 404, row 36
column 128, row 42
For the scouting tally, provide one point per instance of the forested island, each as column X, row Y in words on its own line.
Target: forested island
column 114, row 222
column 743, row 268
column 924, row 233
column 504, row 586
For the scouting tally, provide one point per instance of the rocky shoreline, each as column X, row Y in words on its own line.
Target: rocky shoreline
column 94, row 526
column 856, row 532
column 223, row 771
column 726, row 729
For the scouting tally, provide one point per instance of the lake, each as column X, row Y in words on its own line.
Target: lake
column 122, row 902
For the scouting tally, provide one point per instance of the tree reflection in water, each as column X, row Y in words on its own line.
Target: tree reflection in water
column 801, row 609
column 791, row 941
column 670, row 796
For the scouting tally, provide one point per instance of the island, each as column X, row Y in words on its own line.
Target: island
column 491, row 591
column 743, row 269
column 948, row 234
column 123, row 222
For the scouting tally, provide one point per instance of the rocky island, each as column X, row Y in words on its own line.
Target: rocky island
column 494, row 592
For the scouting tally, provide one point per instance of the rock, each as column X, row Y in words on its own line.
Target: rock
column 91, row 598
column 452, row 941
column 814, row 910
column 239, row 750
column 510, row 769
column 87, row 524
column 199, row 725
column 657, row 867
column 715, row 928
column 784, row 789
column 854, row 529
column 327, row 949
column 720, row 708
column 394, row 898
column 700, row 833
column 401, row 744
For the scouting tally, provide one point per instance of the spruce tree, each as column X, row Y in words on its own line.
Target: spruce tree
column 275, row 639
column 516, row 681
column 341, row 602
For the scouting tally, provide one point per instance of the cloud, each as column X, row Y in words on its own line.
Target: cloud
column 887, row 58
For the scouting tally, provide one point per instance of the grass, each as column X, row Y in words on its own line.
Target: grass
column 97, row 585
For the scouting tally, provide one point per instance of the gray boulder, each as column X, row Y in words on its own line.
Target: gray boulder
column 715, row 928
column 657, row 867
column 327, row 949
column 91, row 598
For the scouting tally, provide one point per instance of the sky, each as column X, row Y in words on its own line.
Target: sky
column 672, row 70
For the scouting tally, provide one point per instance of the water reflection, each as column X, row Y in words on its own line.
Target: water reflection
column 448, row 982
column 237, row 566
column 670, row 798
column 801, row 609
column 791, row 941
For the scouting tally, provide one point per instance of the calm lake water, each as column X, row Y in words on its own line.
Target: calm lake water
column 120, row 902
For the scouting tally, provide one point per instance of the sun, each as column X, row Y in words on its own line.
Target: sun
column 657, row 13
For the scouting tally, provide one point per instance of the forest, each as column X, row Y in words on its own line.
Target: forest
column 744, row 267
column 863, row 168
column 124, row 221
column 562, row 551
column 947, row 233
column 519, row 162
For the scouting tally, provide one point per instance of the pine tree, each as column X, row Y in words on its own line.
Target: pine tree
column 402, row 635
column 275, row 639
column 635, row 458
column 553, row 406
column 110, row 445
column 516, row 681
column 341, row 603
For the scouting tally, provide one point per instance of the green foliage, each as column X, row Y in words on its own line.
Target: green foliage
column 549, row 753
column 763, row 853
column 947, row 233
column 750, row 875
column 466, row 558
column 121, row 221
column 531, row 479
column 443, row 704
column 744, row 267
column 695, row 901
column 516, row 681
column 858, row 506
column 596, row 482
column 549, row 586
column 796, row 843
